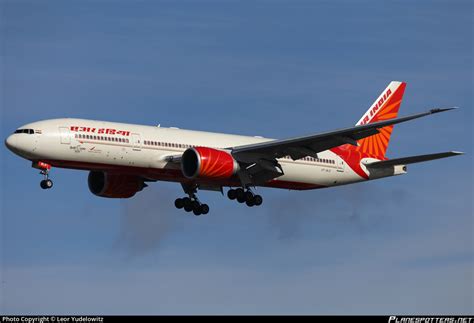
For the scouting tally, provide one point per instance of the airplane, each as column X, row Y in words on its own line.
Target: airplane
column 122, row 158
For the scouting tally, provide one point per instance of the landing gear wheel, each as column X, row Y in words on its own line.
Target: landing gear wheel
column 232, row 194
column 240, row 194
column 188, row 204
column 179, row 203
column 197, row 211
column 46, row 184
column 250, row 202
column 186, row 201
column 204, row 209
column 248, row 197
column 257, row 200
column 195, row 205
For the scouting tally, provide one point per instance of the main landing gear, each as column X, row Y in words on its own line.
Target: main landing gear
column 247, row 197
column 191, row 203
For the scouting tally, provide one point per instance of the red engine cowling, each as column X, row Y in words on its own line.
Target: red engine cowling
column 114, row 185
column 203, row 162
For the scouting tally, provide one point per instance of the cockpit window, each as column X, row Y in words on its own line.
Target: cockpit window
column 27, row 131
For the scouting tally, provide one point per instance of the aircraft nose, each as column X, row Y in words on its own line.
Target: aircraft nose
column 11, row 142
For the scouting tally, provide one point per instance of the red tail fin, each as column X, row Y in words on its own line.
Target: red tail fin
column 385, row 107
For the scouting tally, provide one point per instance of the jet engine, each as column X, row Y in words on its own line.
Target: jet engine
column 209, row 163
column 114, row 185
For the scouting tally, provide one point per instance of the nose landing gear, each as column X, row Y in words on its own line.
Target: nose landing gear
column 247, row 197
column 44, row 168
column 46, row 184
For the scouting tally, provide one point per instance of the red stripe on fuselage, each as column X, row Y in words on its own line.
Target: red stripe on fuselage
column 353, row 157
column 173, row 175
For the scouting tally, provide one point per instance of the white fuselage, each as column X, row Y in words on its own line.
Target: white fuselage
column 143, row 150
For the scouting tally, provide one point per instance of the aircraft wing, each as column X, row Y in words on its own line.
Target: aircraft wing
column 310, row 145
column 258, row 161
column 412, row 159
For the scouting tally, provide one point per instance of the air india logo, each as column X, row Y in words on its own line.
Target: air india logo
column 373, row 111
column 107, row 131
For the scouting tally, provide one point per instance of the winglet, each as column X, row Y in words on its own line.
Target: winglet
column 437, row 110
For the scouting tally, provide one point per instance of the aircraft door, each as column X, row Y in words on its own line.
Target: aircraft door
column 65, row 135
column 136, row 142
column 340, row 165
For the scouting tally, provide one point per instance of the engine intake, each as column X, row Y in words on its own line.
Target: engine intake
column 203, row 162
column 114, row 185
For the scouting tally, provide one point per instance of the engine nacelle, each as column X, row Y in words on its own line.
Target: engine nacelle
column 114, row 185
column 203, row 162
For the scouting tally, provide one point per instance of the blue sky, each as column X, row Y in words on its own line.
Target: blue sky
column 277, row 69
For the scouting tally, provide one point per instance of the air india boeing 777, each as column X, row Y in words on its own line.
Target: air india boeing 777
column 121, row 158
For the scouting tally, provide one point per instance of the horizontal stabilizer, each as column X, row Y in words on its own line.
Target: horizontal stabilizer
column 413, row 159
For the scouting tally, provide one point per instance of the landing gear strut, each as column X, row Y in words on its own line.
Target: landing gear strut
column 191, row 203
column 247, row 197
